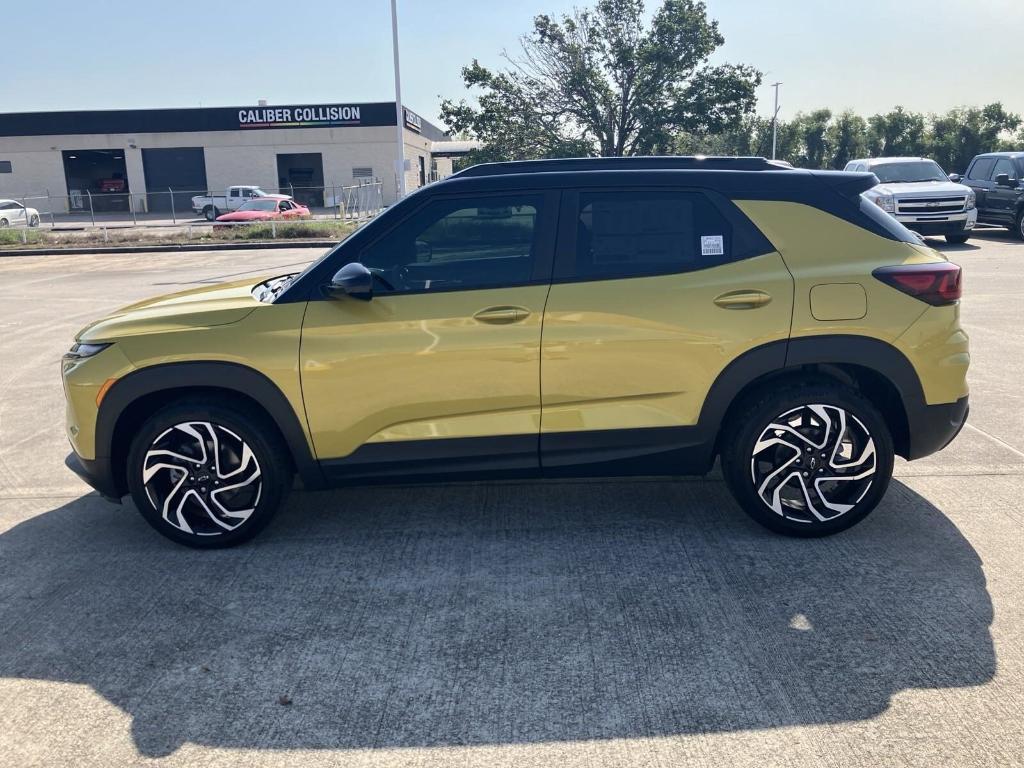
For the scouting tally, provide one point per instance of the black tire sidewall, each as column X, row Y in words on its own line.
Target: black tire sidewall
column 256, row 432
column 753, row 419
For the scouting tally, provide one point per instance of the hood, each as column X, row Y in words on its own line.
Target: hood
column 923, row 189
column 204, row 307
column 246, row 216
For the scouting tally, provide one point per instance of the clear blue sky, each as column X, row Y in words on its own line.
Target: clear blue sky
column 869, row 55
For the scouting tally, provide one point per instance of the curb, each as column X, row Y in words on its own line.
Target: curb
column 165, row 248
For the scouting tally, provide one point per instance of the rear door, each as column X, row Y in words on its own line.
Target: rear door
column 654, row 293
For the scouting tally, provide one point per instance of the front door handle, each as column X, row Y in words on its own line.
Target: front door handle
column 743, row 299
column 502, row 315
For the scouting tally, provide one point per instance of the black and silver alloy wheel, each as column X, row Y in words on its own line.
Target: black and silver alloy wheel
column 208, row 473
column 203, row 478
column 813, row 463
column 807, row 459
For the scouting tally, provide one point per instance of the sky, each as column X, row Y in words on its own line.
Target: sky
column 866, row 55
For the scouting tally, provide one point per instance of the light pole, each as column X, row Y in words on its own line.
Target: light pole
column 399, row 116
column 775, row 114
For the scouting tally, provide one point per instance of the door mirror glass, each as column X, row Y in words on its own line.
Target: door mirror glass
column 353, row 280
column 1003, row 180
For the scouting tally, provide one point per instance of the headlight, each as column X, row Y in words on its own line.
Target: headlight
column 972, row 200
column 886, row 202
column 80, row 351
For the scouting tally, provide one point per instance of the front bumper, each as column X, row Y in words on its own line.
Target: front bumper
column 952, row 224
column 933, row 427
column 97, row 473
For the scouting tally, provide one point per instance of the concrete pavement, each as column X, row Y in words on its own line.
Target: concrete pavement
column 574, row 623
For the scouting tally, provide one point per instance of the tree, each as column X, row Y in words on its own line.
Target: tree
column 602, row 82
column 897, row 133
column 811, row 130
column 962, row 133
column 847, row 139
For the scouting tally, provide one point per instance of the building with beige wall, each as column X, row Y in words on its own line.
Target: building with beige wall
column 149, row 159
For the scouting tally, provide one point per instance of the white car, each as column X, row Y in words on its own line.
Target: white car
column 14, row 214
column 919, row 194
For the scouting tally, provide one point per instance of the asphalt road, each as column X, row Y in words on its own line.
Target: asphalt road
column 643, row 623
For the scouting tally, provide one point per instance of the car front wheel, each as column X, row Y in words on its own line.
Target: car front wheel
column 207, row 475
column 1019, row 227
column 808, row 461
column 957, row 239
column 211, row 214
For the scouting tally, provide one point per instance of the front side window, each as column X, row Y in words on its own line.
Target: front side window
column 1003, row 165
column 628, row 234
column 982, row 168
column 453, row 244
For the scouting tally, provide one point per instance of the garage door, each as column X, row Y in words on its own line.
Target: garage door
column 181, row 170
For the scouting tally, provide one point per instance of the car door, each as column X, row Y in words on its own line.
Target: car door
column 1001, row 200
column 654, row 292
column 978, row 179
column 440, row 369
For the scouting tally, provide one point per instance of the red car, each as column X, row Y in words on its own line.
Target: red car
column 265, row 208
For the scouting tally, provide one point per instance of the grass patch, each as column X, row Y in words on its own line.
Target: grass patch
column 11, row 239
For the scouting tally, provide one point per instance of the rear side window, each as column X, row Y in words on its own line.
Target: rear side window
column 888, row 223
column 982, row 168
column 635, row 233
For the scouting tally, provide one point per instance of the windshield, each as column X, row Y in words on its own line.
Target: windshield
column 259, row 205
column 910, row 171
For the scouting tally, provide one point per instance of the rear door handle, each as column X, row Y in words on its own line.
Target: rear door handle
column 502, row 315
column 743, row 299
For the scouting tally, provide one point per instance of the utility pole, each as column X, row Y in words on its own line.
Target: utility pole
column 775, row 114
column 399, row 111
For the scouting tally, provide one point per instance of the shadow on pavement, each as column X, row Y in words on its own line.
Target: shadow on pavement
column 482, row 614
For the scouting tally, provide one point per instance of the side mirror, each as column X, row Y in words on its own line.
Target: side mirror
column 353, row 280
column 955, row 178
column 1003, row 180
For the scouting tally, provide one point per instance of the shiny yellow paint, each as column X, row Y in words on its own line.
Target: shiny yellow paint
column 838, row 301
column 820, row 248
column 643, row 352
column 222, row 323
column 420, row 365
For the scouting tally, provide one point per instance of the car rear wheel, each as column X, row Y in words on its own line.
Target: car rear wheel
column 211, row 213
column 4, row 223
column 808, row 461
column 206, row 474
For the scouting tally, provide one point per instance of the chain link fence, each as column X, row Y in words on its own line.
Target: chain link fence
column 123, row 208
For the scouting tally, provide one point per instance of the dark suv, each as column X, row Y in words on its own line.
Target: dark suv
column 997, row 179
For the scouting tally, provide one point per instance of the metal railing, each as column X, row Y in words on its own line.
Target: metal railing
column 88, row 208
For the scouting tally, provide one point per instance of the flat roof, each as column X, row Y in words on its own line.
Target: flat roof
column 201, row 119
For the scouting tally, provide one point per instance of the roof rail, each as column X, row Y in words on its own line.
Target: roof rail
column 668, row 162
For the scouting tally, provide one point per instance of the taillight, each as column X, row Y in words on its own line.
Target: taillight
column 937, row 284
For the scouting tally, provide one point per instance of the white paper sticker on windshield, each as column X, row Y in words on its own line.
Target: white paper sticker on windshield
column 712, row 245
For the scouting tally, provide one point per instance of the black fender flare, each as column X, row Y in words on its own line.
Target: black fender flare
column 779, row 357
column 208, row 374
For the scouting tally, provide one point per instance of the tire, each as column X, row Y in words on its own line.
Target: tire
column 1018, row 227
column 34, row 221
column 757, row 454
column 190, row 496
column 210, row 213
column 4, row 223
column 957, row 239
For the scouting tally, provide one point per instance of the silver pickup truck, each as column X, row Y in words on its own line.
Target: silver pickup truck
column 212, row 206
column 919, row 194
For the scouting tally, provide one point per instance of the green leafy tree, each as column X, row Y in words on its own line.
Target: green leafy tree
column 962, row 133
column 847, row 139
column 811, row 130
column 896, row 133
column 600, row 81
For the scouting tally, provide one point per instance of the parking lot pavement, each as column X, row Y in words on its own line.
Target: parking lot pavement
column 531, row 624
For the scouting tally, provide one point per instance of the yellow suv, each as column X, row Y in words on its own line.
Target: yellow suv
column 562, row 318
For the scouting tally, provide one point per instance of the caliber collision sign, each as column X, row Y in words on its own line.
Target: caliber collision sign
column 299, row 117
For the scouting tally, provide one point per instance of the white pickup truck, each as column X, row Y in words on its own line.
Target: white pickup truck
column 212, row 206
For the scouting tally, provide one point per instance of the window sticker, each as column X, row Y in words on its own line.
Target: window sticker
column 712, row 245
